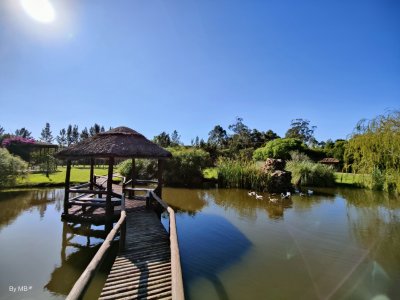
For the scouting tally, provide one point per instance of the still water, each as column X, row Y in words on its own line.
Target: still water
column 337, row 244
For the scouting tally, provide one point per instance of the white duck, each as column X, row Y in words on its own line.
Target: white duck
column 251, row 193
column 259, row 197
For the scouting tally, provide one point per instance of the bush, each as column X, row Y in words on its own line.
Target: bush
column 378, row 179
column 278, row 148
column 241, row 174
column 185, row 168
column 10, row 168
column 144, row 168
column 307, row 173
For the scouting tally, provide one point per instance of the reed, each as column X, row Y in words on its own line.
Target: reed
column 241, row 174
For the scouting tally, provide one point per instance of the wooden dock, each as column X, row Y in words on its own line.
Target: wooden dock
column 143, row 269
column 148, row 263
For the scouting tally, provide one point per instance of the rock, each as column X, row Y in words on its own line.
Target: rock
column 272, row 164
column 279, row 182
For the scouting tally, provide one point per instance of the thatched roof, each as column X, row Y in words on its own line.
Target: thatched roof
column 329, row 160
column 118, row 142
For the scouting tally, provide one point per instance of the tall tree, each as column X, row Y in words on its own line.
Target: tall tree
column 84, row 134
column 75, row 134
column 218, row 136
column 95, row 129
column 1, row 130
column 241, row 137
column 69, row 135
column 175, row 138
column 301, row 129
column 163, row 139
column 23, row 132
column 102, row 129
column 62, row 138
column 46, row 134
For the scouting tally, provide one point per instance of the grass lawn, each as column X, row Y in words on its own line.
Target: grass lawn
column 351, row 179
column 78, row 175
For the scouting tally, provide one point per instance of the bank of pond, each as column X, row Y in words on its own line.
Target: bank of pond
column 339, row 243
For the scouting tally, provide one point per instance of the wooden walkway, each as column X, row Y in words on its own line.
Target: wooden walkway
column 143, row 269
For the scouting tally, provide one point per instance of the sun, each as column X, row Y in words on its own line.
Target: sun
column 39, row 10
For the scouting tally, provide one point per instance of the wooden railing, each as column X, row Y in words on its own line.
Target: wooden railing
column 81, row 285
column 176, row 270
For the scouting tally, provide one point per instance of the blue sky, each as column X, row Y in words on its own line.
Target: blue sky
column 188, row 65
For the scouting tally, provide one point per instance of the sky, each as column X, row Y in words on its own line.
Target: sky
column 156, row 65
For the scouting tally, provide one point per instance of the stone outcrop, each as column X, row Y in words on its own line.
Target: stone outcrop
column 279, row 179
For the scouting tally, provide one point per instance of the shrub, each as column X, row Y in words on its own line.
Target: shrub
column 10, row 168
column 144, row 168
column 278, row 148
column 241, row 174
column 185, row 168
column 378, row 179
column 307, row 173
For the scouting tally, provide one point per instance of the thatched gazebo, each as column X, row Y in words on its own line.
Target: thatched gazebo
column 120, row 142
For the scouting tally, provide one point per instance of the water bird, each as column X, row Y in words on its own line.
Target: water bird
column 273, row 199
column 310, row 192
column 286, row 196
column 250, row 193
column 259, row 197
column 302, row 194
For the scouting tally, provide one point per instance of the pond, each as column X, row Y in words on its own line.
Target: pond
column 337, row 244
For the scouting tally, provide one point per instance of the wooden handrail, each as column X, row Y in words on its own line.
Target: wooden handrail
column 176, row 269
column 83, row 282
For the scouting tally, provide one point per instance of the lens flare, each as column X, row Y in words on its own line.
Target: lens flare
column 39, row 10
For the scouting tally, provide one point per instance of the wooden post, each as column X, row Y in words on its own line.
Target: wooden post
column 109, row 207
column 160, row 177
column 91, row 172
column 132, row 193
column 66, row 195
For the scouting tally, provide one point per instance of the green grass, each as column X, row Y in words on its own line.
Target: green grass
column 210, row 173
column 78, row 175
column 359, row 180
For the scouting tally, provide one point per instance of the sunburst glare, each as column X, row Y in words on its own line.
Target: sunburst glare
column 39, row 10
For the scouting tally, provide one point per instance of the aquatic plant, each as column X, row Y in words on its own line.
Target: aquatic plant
column 241, row 174
column 307, row 173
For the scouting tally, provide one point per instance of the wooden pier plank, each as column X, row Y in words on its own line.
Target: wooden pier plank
column 143, row 269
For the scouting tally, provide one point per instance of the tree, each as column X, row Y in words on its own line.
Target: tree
column 75, row 134
column 218, row 137
column 10, row 168
column 95, row 129
column 1, row 130
column 46, row 135
column 175, row 139
column 278, row 148
column 84, row 134
column 163, row 139
column 69, row 135
column 23, row 132
column 62, row 138
column 102, row 129
column 300, row 129
column 241, row 138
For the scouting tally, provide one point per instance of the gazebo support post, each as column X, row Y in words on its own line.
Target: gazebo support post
column 91, row 172
column 132, row 193
column 66, row 194
column 109, row 207
column 160, row 171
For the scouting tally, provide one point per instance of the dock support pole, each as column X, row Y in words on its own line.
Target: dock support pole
column 66, row 194
column 91, row 173
column 160, row 171
column 109, row 207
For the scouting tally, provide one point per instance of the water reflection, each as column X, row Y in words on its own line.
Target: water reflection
column 80, row 243
column 13, row 203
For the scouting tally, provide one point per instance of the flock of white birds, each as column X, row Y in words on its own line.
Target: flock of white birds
column 283, row 196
